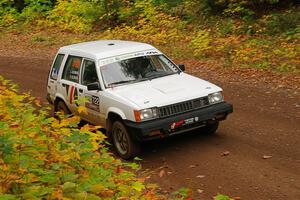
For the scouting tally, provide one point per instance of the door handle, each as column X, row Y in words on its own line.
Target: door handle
column 51, row 81
column 80, row 90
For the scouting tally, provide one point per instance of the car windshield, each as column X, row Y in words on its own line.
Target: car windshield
column 137, row 69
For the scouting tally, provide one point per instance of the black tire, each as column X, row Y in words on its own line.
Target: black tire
column 124, row 145
column 62, row 108
column 210, row 128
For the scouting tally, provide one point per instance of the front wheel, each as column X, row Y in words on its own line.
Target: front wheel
column 124, row 145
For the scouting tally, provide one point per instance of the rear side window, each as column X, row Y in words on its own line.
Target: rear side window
column 72, row 69
column 89, row 74
column 56, row 66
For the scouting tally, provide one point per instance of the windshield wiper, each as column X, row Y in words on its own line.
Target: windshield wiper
column 158, row 75
column 121, row 82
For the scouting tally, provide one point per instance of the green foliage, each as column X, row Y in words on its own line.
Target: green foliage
column 35, row 9
column 74, row 15
column 9, row 18
column 6, row 5
column 222, row 197
column 152, row 26
column 280, row 22
column 192, row 10
column 181, row 194
column 8, row 14
column 46, row 158
column 201, row 43
column 233, row 8
column 226, row 27
column 238, row 8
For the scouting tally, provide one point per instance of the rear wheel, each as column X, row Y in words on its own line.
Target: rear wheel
column 211, row 128
column 61, row 108
column 125, row 146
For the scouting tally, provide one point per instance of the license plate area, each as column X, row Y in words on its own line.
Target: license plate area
column 185, row 123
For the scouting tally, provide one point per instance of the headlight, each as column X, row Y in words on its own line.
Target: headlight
column 145, row 114
column 216, row 97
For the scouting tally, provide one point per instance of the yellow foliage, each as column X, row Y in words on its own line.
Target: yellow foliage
column 46, row 158
column 201, row 42
column 71, row 16
column 82, row 109
column 8, row 19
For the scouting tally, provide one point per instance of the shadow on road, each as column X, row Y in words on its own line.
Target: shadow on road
column 179, row 142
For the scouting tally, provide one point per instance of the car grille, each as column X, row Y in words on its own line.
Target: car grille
column 182, row 107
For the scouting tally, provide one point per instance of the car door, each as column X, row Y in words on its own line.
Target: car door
column 92, row 98
column 68, row 84
column 53, row 75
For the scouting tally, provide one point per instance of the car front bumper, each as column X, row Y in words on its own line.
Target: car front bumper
column 163, row 127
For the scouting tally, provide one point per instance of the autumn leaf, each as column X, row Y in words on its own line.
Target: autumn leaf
column 82, row 110
column 138, row 186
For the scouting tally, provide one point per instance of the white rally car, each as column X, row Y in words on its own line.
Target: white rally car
column 134, row 91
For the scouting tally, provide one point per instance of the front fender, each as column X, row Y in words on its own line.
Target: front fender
column 59, row 96
column 116, row 111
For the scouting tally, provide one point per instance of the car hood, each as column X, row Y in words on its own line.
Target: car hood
column 165, row 90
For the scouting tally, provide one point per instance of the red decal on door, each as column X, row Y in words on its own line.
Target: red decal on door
column 71, row 94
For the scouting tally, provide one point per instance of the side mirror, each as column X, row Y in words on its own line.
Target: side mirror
column 182, row 67
column 94, row 86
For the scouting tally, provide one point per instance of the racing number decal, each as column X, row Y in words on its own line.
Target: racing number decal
column 93, row 103
column 95, row 100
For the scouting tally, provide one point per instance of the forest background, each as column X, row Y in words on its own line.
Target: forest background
column 261, row 34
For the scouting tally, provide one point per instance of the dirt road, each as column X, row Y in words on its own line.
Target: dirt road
column 265, row 122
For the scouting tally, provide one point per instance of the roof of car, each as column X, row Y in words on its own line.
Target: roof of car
column 106, row 48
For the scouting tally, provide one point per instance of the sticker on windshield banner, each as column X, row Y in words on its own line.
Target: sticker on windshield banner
column 127, row 56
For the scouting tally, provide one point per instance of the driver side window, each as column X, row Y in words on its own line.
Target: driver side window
column 89, row 73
